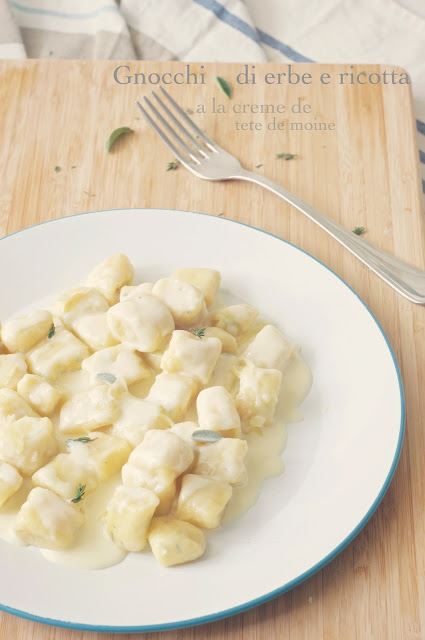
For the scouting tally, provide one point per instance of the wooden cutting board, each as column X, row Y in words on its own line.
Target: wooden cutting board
column 363, row 171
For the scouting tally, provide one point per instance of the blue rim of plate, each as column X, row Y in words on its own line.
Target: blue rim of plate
column 213, row 617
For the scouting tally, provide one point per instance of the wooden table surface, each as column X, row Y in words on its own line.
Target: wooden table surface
column 362, row 173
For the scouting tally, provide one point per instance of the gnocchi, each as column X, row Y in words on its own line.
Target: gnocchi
column 57, row 353
column 92, row 409
column 76, row 302
column 173, row 392
column 236, row 319
column 110, row 275
column 217, row 412
column 45, row 520
column 129, row 515
column 12, row 369
column 207, row 280
column 141, row 322
column 13, row 405
column 162, row 450
column 121, row 360
column 27, row 443
column 202, row 501
column 64, row 473
column 22, row 334
column 39, row 393
column 156, row 463
column 175, row 541
column 10, row 481
column 136, row 418
column 191, row 355
column 83, row 310
column 186, row 302
column 224, row 461
column 228, row 342
column 132, row 291
column 270, row 349
column 258, row 395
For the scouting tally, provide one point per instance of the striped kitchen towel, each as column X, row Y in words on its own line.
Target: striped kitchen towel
column 383, row 31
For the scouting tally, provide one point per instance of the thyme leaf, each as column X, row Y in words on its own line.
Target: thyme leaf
column 359, row 230
column 51, row 332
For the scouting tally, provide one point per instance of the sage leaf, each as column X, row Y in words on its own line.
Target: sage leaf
column 206, row 435
column 224, row 86
column 108, row 377
column 115, row 135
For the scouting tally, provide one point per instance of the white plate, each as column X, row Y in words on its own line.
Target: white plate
column 338, row 461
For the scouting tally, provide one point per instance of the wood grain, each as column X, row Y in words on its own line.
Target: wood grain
column 364, row 173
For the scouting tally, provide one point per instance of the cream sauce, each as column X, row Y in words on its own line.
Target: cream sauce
column 265, row 446
column 9, row 511
column 93, row 548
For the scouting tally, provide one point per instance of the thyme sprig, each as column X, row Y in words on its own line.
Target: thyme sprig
column 286, row 156
column 84, row 439
column 171, row 166
column 198, row 332
column 80, row 493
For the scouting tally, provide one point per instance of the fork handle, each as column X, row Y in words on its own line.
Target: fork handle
column 402, row 277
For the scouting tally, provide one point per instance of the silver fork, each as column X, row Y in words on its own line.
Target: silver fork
column 203, row 157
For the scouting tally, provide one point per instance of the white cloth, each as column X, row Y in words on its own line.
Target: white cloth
column 364, row 31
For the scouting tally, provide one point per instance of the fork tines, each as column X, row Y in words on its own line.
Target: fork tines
column 189, row 155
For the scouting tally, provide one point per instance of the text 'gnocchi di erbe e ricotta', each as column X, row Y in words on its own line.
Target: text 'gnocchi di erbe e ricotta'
column 136, row 416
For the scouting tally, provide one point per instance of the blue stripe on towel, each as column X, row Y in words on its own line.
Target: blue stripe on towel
column 60, row 14
column 420, row 126
column 422, row 156
column 224, row 15
column 287, row 51
column 258, row 36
